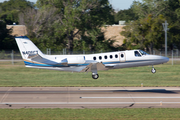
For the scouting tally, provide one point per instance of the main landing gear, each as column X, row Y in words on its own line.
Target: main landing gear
column 95, row 76
column 153, row 70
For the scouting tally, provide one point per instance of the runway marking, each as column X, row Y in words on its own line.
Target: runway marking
column 104, row 89
column 81, row 103
column 5, row 95
column 122, row 89
column 128, row 97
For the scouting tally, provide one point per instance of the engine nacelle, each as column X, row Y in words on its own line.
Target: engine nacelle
column 76, row 60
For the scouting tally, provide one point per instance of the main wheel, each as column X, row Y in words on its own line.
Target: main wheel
column 153, row 70
column 96, row 76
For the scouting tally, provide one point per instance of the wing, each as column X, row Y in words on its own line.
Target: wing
column 94, row 67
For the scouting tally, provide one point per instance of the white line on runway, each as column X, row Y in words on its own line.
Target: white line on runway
column 122, row 89
column 101, row 89
column 129, row 97
column 81, row 103
column 6, row 94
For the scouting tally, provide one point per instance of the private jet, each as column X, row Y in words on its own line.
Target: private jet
column 34, row 58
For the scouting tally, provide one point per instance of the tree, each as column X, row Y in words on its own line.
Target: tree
column 172, row 15
column 41, row 29
column 7, row 41
column 71, row 19
column 9, row 10
column 126, row 15
column 147, row 7
column 145, row 33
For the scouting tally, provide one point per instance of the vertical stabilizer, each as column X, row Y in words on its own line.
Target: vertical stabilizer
column 27, row 48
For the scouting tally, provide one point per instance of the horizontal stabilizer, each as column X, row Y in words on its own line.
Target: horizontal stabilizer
column 36, row 58
column 40, row 59
column 31, row 56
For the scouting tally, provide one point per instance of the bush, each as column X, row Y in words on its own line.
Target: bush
column 2, row 54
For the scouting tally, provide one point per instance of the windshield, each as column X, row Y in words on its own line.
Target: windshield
column 137, row 54
column 143, row 53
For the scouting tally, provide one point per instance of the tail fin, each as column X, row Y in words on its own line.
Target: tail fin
column 27, row 48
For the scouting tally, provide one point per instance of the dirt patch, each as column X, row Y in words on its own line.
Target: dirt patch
column 17, row 30
column 111, row 32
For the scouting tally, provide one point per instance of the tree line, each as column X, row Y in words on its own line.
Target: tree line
column 144, row 29
column 76, row 24
column 72, row 24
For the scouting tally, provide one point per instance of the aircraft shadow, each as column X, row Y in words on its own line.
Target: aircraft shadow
column 151, row 91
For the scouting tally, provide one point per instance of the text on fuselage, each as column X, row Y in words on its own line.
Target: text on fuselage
column 29, row 52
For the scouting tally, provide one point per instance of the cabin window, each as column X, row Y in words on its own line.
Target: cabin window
column 116, row 56
column 100, row 57
column 122, row 55
column 94, row 58
column 137, row 54
column 105, row 57
column 111, row 56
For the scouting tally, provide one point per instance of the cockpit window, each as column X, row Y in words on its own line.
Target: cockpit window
column 137, row 54
column 142, row 52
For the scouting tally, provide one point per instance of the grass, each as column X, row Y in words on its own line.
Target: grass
column 89, row 114
column 18, row 75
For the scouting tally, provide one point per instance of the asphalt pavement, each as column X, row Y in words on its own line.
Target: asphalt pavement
column 89, row 97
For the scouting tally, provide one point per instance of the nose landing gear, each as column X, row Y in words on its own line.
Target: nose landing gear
column 153, row 70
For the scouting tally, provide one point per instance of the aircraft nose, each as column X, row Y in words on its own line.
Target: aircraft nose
column 164, row 59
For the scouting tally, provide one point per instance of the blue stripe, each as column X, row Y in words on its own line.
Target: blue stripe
column 111, row 62
column 42, row 65
column 48, row 65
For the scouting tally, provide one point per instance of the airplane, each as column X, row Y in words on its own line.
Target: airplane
column 34, row 58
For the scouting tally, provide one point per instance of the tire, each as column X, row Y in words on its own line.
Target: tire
column 96, row 76
column 153, row 70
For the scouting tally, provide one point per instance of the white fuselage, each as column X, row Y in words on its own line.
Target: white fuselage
column 112, row 60
column 34, row 58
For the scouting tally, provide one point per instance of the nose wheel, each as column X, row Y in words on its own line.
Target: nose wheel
column 153, row 70
column 95, row 76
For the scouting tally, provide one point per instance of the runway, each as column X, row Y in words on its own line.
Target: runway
column 89, row 97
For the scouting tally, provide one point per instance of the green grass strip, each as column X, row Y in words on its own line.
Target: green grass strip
column 18, row 75
column 89, row 114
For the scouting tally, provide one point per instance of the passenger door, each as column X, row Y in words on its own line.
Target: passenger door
column 122, row 57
